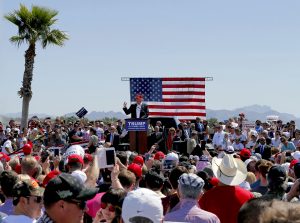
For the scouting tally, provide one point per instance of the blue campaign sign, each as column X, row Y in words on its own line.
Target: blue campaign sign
column 136, row 124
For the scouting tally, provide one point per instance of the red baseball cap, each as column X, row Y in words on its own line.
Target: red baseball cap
column 136, row 169
column 27, row 149
column 4, row 157
column 245, row 153
column 74, row 158
column 87, row 157
column 293, row 163
column 49, row 176
column 138, row 160
column 159, row 155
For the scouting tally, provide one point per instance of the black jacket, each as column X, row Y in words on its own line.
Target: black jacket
column 266, row 154
column 132, row 110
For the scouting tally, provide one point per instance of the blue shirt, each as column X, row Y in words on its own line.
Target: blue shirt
column 7, row 207
column 289, row 146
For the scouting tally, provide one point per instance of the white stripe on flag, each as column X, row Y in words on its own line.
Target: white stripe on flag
column 184, row 96
column 175, row 103
column 184, row 89
column 178, row 110
column 183, row 82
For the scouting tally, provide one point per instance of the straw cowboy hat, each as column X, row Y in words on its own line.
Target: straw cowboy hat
column 229, row 170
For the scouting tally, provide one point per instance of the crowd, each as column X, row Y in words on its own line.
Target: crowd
column 224, row 172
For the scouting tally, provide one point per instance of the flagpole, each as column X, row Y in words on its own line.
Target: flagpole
column 128, row 78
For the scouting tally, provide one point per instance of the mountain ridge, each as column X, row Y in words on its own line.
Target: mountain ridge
column 253, row 112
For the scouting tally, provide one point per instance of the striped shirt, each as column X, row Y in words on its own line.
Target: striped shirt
column 45, row 219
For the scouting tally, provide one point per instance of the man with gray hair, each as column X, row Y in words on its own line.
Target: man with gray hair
column 187, row 210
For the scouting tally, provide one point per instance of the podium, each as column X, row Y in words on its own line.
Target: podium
column 137, row 129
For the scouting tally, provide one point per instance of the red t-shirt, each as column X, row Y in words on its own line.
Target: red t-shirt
column 225, row 202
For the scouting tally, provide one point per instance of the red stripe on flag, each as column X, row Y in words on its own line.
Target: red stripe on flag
column 183, row 100
column 183, row 86
column 176, row 107
column 183, row 93
column 177, row 114
column 183, row 79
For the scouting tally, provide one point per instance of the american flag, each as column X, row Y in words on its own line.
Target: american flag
column 182, row 97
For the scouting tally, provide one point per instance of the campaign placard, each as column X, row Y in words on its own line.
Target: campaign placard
column 136, row 125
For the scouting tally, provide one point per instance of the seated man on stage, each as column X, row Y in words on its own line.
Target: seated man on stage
column 138, row 109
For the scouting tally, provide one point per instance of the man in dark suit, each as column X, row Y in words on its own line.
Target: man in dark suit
column 120, row 127
column 186, row 134
column 156, row 136
column 113, row 137
column 263, row 149
column 199, row 127
column 137, row 110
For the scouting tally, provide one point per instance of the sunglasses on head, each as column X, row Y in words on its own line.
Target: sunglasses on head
column 110, row 207
column 80, row 204
column 37, row 199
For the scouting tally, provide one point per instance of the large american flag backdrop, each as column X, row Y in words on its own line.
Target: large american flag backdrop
column 182, row 97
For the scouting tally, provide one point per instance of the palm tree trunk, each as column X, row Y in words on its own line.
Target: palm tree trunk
column 25, row 91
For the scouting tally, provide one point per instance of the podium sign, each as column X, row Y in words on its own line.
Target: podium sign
column 137, row 129
column 136, row 125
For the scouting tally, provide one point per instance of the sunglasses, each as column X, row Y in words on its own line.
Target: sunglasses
column 37, row 199
column 110, row 208
column 81, row 204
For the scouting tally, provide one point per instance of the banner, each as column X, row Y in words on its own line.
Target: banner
column 181, row 97
column 136, row 125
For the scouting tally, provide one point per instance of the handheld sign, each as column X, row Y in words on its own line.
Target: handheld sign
column 81, row 113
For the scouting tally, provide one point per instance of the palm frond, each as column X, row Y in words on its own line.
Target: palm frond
column 55, row 37
column 18, row 40
column 35, row 25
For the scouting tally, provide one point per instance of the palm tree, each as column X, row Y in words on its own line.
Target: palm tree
column 33, row 26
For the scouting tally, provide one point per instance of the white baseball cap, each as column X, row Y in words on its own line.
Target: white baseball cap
column 142, row 203
column 172, row 156
column 79, row 175
column 296, row 155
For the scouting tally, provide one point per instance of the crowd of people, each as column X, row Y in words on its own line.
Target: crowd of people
column 225, row 172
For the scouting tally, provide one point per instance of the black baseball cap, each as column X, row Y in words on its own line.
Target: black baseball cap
column 67, row 187
column 26, row 188
column 277, row 174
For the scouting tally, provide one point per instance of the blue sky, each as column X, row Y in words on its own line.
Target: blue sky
column 250, row 48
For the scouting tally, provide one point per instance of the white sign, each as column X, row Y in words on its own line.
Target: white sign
column 248, row 125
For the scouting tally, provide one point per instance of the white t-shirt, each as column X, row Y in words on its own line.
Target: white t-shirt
column 218, row 138
column 6, row 144
column 18, row 219
column 276, row 142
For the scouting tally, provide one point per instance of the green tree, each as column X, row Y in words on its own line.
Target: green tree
column 33, row 26
column 212, row 121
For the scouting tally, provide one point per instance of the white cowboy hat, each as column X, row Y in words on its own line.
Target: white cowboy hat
column 229, row 170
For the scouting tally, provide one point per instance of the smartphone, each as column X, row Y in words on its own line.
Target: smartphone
column 56, row 152
column 110, row 157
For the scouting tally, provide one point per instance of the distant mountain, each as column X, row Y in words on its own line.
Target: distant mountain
column 100, row 115
column 252, row 113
